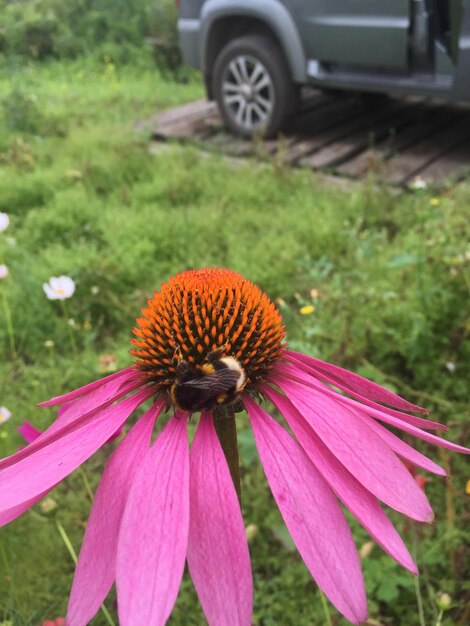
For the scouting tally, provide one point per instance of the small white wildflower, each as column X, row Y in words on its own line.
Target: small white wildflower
column 451, row 366
column 4, row 222
column 418, row 183
column 95, row 290
column 3, row 271
column 59, row 288
column 5, row 414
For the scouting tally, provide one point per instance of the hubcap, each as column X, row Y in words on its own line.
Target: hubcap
column 248, row 92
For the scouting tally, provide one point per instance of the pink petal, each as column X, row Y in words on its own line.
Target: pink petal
column 96, row 567
column 74, row 416
column 9, row 515
column 378, row 411
column 357, row 383
column 416, row 432
column 103, row 396
column 154, row 531
column 218, row 556
column 64, row 407
column 354, row 496
column 28, row 431
column 404, row 450
column 43, row 469
column 392, row 417
column 312, row 515
column 298, row 375
column 360, row 450
column 124, row 375
column 116, row 435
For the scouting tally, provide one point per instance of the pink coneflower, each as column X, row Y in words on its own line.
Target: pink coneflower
column 207, row 341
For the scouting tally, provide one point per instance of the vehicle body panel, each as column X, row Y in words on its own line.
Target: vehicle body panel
column 370, row 45
column 347, row 31
column 271, row 12
column 461, row 85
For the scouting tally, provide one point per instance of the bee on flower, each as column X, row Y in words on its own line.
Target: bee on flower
column 208, row 343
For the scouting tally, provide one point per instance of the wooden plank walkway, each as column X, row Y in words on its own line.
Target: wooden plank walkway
column 395, row 139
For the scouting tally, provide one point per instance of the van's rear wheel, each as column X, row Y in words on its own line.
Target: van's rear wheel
column 252, row 86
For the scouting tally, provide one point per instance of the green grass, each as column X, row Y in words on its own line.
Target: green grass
column 87, row 198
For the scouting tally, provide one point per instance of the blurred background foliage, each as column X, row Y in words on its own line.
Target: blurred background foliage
column 365, row 276
column 45, row 29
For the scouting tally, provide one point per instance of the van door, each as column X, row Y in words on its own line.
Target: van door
column 460, row 46
column 367, row 34
column 455, row 19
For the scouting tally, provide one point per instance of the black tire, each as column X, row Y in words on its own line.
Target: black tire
column 255, row 51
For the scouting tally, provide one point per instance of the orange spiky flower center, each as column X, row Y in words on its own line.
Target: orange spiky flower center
column 199, row 311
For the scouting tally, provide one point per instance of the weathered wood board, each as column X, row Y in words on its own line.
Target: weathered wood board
column 395, row 139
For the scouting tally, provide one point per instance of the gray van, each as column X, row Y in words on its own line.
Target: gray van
column 255, row 54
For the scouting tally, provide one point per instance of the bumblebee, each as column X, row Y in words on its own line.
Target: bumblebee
column 219, row 381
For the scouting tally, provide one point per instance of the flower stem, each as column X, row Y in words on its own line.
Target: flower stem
column 324, row 604
column 9, row 573
column 226, row 428
column 11, row 335
column 67, row 542
column 73, row 343
column 86, row 483
column 71, row 550
column 419, row 598
column 450, row 507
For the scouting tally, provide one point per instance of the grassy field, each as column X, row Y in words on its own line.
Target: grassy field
column 387, row 274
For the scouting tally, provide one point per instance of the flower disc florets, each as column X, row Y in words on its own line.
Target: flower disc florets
column 199, row 311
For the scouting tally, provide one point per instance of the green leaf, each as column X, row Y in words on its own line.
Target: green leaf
column 387, row 591
column 402, row 260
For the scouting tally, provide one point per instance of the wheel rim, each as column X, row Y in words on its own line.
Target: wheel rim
column 248, row 92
